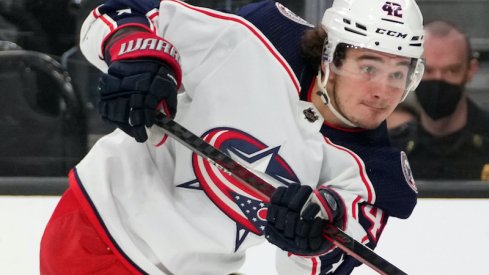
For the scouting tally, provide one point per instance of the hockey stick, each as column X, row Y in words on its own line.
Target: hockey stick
column 216, row 157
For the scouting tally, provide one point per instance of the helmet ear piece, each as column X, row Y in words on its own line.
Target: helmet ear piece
column 327, row 55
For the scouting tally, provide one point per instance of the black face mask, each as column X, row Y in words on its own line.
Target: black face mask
column 438, row 98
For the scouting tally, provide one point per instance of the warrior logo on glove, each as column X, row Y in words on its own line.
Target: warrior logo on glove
column 143, row 78
column 150, row 44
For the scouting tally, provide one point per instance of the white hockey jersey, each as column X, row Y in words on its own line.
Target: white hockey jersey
column 167, row 210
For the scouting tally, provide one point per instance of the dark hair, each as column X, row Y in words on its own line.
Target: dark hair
column 312, row 47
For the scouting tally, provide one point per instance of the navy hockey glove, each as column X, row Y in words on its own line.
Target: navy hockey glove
column 143, row 78
column 297, row 216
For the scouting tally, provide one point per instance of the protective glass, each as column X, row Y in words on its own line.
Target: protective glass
column 376, row 68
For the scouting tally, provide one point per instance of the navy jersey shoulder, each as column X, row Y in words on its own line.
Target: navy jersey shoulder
column 386, row 167
column 282, row 27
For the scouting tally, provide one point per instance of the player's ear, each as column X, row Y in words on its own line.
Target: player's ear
column 332, row 73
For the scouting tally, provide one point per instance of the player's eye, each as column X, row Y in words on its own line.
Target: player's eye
column 368, row 69
column 397, row 76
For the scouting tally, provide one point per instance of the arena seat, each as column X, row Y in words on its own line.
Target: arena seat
column 43, row 124
column 85, row 77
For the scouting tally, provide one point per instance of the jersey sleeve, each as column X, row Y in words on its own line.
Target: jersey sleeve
column 111, row 16
column 374, row 183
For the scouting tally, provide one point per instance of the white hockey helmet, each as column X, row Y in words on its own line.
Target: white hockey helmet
column 393, row 27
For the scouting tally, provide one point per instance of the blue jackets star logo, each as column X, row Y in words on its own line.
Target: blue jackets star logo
column 239, row 202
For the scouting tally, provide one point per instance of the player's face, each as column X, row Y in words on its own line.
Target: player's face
column 368, row 86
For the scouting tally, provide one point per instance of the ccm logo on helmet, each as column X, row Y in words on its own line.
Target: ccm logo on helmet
column 391, row 33
column 149, row 44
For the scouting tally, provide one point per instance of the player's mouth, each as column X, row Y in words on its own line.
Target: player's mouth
column 375, row 107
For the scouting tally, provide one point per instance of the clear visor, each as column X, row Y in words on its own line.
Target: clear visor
column 370, row 67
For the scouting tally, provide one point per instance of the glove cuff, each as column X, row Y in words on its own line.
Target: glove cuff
column 332, row 206
column 141, row 44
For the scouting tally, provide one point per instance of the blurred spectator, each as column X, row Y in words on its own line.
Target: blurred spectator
column 401, row 119
column 19, row 26
column 39, row 25
column 402, row 115
column 451, row 139
column 57, row 19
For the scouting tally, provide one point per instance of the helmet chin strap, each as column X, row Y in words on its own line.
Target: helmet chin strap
column 327, row 100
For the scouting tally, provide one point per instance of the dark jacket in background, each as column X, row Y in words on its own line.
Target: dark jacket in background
column 463, row 155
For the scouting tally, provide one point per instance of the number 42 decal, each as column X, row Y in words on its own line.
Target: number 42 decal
column 392, row 9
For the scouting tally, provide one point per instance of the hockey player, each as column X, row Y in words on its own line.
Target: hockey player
column 301, row 44
column 134, row 207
